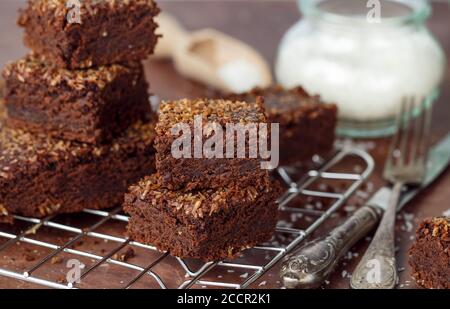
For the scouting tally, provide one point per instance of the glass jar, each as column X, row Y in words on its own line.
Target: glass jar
column 365, row 56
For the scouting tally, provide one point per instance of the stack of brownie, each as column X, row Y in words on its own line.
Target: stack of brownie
column 76, row 124
column 205, row 208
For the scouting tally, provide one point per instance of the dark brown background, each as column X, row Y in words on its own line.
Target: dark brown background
column 262, row 24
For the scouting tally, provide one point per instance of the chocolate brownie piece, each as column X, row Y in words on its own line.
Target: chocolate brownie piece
column 200, row 171
column 210, row 225
column 90, row 106
column 429, row 257
column 40, row 175
column 307, row 125
column 95, row 33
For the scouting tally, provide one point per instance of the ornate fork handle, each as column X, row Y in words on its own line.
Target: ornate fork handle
column 377, row 269
column 309, row 266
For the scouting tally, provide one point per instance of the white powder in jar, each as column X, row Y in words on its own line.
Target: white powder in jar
column 366, row 75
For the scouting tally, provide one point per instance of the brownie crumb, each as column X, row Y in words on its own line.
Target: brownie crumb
column 34, row 229
column 124, row 256
column 79, row 243
column 56, row 260
column 27, row 256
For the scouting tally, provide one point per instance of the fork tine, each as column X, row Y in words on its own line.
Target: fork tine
column 428, row 111
column 418, row 134
column 396, row 138
column 405, row 130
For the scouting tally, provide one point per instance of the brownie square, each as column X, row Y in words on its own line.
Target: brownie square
column 210, row 225
column 307, row 125
column 197, row 173
column 94, row 34
column 429, row 257
column 40, row 175
column 90, row 106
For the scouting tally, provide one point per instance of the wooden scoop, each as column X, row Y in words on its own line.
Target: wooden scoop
column 212, row 57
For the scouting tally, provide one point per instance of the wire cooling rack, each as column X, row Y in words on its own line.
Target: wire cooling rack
column 317, row 203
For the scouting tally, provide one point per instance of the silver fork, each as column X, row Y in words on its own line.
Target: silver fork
column 405, row 165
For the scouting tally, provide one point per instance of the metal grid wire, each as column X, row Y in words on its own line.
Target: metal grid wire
column 195, row 278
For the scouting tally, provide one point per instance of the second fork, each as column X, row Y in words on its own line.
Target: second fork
column 405, row 165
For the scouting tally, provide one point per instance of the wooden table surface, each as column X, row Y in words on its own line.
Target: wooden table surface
column 262, row 24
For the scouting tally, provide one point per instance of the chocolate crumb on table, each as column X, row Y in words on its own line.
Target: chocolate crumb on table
column 40, row 175
column 211, row 224
column 196, row 173
column 97, row 33
column 28, row 257
column 307, row 125
column 91, row 106
column 124, row 256
column 429, row 257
